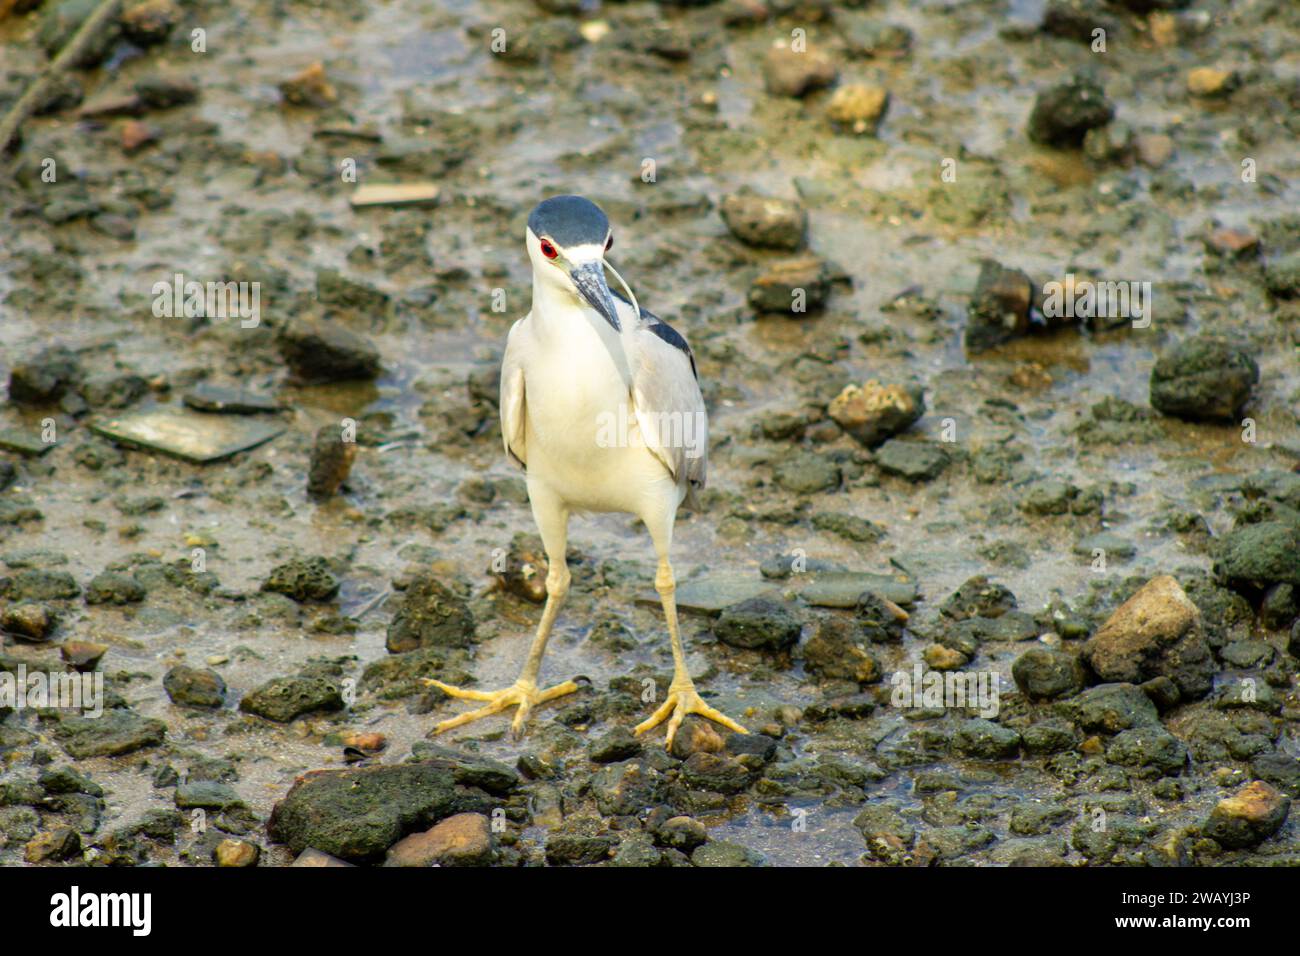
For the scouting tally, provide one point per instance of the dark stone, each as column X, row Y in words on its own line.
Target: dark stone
column 978, row 597
column 1204, row 378
column 837, row 650
column 303, row 579
column 431, row 615
column 112, row 587
column 1111, row 708
column 1062, row 114
column 326, row 352
column 1252, row 558
column 281, row 699
column 999, row 307
column 357, row 814
column 115, row 732
column 193, row 687
column 1148, row 746
column 1045, row 674
column 618, row 744
column 913, row 460
column 759, row 623
column 983, row 738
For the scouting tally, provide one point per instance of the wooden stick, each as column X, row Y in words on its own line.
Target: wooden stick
column 94, row 24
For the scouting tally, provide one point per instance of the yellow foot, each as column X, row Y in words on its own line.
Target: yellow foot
column 683, row 700
column 523, row 694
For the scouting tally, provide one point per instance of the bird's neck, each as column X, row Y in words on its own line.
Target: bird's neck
column 566, row 324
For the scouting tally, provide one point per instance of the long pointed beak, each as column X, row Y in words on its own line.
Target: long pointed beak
column 590, row 280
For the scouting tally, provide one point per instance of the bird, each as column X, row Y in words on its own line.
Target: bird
column 601, row 407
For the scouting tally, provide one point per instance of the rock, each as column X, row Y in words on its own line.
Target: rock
column 161, row 91
column 115, row 732
column 847, row 526
column 999, row 307
column 627, row 788
column 1208, row 81
column 1281, row 276
column 134, row 135
column 331, row 462
column 1293, row 642
column 1203, row 378
column 66, row 779
column 837, row 651
column 857, row 107
column 236, row 853
column 1252, row 558
column 1280, row 606
column 914, row 460
column 207, row 795
column 578, row 849
column 40, row 584
column 758, row 624
column 310, row 87
column 1111, row 708
column 44, row 379
column 787, row 72
column 52, row 846
column 1247, row 818
column 941, row 657
column 716, row 773
column 794, row 287
column 192, row 687
column 724, row 854
column 1049, row 737
column 867, row 39
column 313, row 857
column 886, row 832
column 618, row 744
column 806, row 473
column 303, row 579
column 1282, row 770
column 1076, row 19
column 1045, row 674
column 1156, row 632
column 28, row 620
column 281, row 699
column 319, row 352
column 978, row 597
column 1154, row 150
column 763, row 221
column 149, row 22
column 1148, row 746
column 358, row 814
column 982, row 738
column 112, row 587
column 876, row 412
column 431, row 615
column 681, row 833
column 464, row 839
column 1062, row 114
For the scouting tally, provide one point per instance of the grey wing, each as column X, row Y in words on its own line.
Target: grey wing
column 512, row 402
column 667, row 402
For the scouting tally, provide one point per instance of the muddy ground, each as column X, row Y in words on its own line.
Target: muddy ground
column 1039, row 466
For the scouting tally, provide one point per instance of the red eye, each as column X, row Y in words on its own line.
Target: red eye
column 549, row 250
column 609, row 243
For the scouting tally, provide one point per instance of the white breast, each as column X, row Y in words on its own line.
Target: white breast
column 581, row 433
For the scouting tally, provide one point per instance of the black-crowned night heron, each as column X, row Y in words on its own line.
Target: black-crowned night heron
column 601, row 407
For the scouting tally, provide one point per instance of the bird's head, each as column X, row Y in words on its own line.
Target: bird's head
column 568, row 237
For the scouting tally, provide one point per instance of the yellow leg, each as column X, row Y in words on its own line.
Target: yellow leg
column 682, row 697
column 523, row 693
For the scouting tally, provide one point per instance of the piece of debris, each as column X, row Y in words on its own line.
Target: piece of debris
column 395, row 194
column 190, row 436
